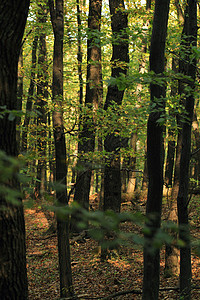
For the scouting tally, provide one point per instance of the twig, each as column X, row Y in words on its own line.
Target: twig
column 195, row 152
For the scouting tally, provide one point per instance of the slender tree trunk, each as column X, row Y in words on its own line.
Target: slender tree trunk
column 19, row 98
column 171, row 142
column 112, row 143
column 66, row 288
column 51, row 153
column 41, row 103
column 145, row 172
column 190, row 40
column 172, row 253
column 142, row 67
column 93, row 97
column 132, row 165
column 29, row 102
column 79, row 53
column 196, row 132
column 155, row 153
column 13, row 276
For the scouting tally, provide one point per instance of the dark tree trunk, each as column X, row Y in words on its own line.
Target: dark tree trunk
column 93, row 97
column 13, row 277
column 172, row 253
column 112, row 143
column 51, row 153
column 142, row 67
column 155, row 153
column 196, row 133
column 29, row 102
column 41, row 102
column 145, row 172
column 79, row 53
column 189, row 41
column 171, row 142
column 66, row 288
column 132, row 165
column 19, row 98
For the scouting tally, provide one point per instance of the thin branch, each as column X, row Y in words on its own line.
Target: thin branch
column 195, row 152
column 52, row 12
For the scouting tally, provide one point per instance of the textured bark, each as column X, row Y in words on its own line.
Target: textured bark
column 93, row 97
column 196, row 132
column 171, row 143
column 189, row 40
column 19, row 98
column 145, row 172
column 132, row 165
column 13, row 277
column 29, row 102
column 79, row 53
column 112, row 143
column 66, row 288
column 172, row 253
column 155, row 153
column 41, row 102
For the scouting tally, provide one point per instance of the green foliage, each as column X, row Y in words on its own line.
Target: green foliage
column 9, row 176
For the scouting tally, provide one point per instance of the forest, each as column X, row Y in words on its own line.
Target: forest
column 99, row 149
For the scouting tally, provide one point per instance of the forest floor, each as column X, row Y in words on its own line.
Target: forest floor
column 92, row 278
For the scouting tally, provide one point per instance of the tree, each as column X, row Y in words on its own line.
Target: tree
column 155, row 151
column 66, row 288
column 113, row 142
column 189, row 39
column 41, row 101
column 93, row 97
column 172, row 253
column 133, row 141
column 29, row 103
column 13, row 277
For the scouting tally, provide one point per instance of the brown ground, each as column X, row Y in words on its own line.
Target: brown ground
column 92, row 278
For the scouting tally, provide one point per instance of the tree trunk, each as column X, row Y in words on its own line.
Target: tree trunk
column 66, row 288
column 172, row 253
column 93, row 97
column 19, row 97
column 29, row 102
column 13, row 276
column 155, row 153
column 145, row 172
column 171, row 142
column 132, row 165
column 196, row 132
column 112, row 143
column 189, row 41
column 41, row 102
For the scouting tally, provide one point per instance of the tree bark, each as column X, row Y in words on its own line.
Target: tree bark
column 155, row 153
column 189, row 41
column 172, row 253
column 196, row 132
column 19, row 98
column 13, row 276
column 66, row 288
column 93, row 97
column 29, row 102
column 41, row 102
column 112, row 143
column 132, row 165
